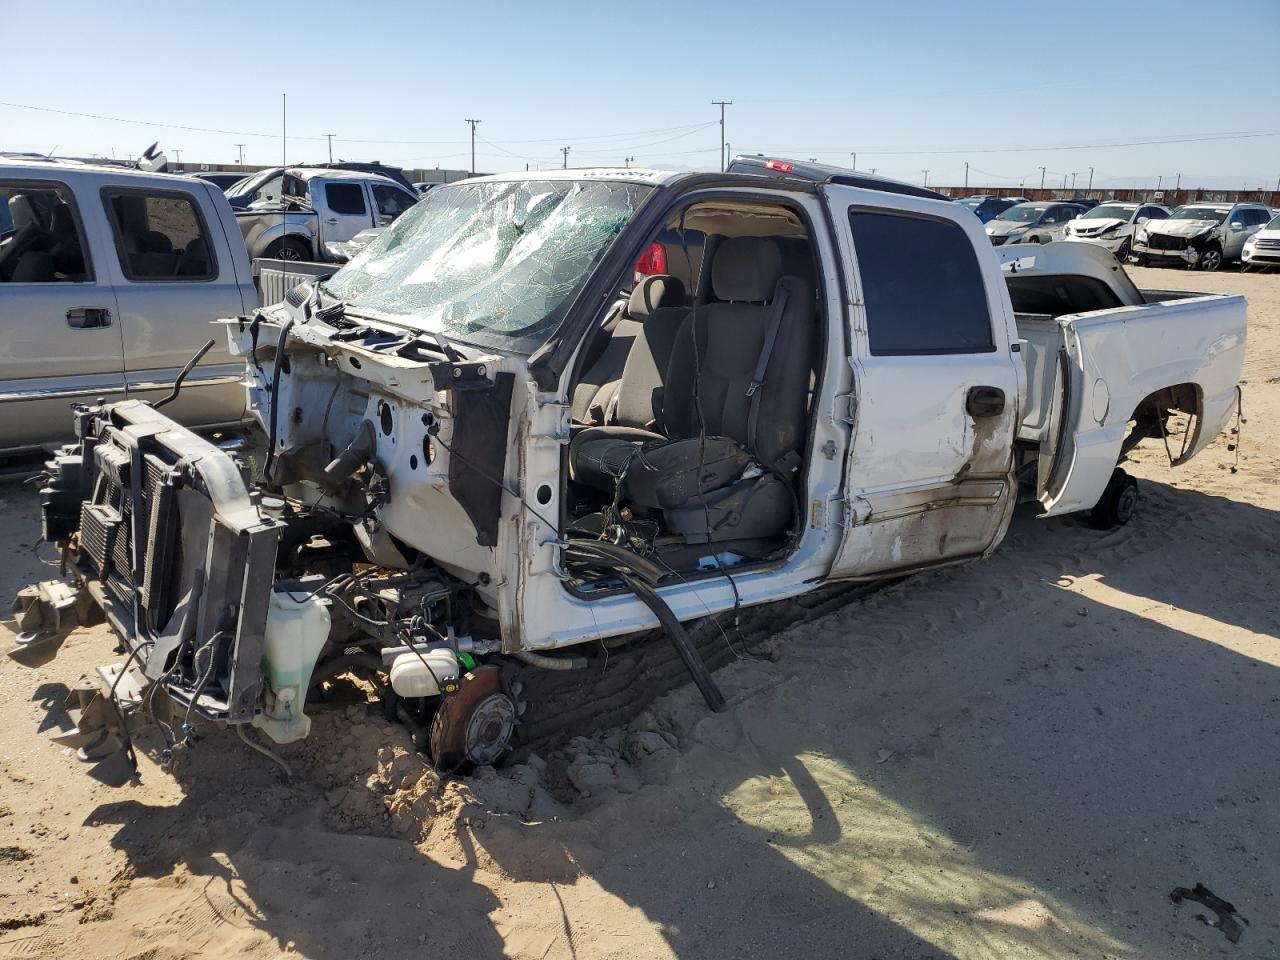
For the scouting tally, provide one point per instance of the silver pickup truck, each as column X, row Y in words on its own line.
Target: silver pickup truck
column 317, row 212
column 110, row 280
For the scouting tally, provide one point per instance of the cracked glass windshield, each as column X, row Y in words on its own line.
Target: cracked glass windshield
column 488, row 263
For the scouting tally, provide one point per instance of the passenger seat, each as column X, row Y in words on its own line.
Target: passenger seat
column 638, row 349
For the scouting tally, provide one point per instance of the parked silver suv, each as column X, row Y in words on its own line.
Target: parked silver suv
column 1200, row 235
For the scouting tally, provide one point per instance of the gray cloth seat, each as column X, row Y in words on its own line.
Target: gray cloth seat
column 689, row 459
column 639, row 346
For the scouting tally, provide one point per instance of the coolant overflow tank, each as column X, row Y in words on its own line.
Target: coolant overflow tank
column 297, row 629
column 420, row 676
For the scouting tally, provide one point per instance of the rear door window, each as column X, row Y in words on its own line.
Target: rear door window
column 41, row 237
column 345, row 198
column 922, row 285
column 159, row 236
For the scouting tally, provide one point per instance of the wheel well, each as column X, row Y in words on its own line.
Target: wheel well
column 1151, row 417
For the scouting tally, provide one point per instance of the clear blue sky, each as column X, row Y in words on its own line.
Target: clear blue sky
column 613, row 80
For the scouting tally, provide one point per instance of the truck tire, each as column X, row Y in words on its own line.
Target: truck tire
column 1119, row 502
column 287, row 248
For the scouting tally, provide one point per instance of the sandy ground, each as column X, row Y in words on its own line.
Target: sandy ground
column 1018, row 758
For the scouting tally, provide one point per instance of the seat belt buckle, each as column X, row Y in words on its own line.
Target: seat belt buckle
column 753, row 387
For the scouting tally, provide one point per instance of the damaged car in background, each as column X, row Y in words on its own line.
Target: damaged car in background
column 497, row 450
column 1202, row 236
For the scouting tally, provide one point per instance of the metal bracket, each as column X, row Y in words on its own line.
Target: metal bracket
column 849, row 403
column 846, row 512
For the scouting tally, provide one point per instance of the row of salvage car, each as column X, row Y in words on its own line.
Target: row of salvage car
column 1202, row 235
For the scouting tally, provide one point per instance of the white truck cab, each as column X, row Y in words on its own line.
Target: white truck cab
column 508, row 427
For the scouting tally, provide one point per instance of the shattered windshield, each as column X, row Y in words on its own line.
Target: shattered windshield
column 492, row 263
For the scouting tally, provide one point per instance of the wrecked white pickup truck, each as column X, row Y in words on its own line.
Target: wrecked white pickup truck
column 491, row 438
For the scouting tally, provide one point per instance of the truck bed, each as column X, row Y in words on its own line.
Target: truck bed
column 1091, row 372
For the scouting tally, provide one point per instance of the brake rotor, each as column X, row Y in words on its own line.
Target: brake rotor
column 474, row 725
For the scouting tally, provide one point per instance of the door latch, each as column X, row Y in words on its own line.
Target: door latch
column 88, row 318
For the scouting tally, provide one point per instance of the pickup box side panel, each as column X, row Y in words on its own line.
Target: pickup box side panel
column 1117, row 358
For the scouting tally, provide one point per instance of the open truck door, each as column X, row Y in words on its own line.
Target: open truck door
column 929, row 474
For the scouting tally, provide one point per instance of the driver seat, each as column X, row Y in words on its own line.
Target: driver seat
column 719, row 416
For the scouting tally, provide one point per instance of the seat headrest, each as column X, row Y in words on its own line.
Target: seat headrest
column 746, row 269
column 653, row 293
column 20, row 211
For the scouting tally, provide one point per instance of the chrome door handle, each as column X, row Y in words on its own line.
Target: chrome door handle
column 334, row 221
column 88, row 318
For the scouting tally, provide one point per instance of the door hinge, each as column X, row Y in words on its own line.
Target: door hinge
column 844, row 408
column 846, row 512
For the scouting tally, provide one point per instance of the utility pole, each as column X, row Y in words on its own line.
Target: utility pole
column 628, row 160
column 330, row 136
column 565, row 151
column 966, row 176
column 473, row 144
column 177, row 156
column 854, row 154
column 926, row 177
column 1177, row 184
column 1042, row 178
column 1064, row 181
column 1090, row 188
column 240, row 147
column 1159, row 182
column 722, row 104
column 1073, row 181
column 873, row 171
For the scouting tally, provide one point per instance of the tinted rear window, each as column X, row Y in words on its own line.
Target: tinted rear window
column 921, row 284
column 345, row 197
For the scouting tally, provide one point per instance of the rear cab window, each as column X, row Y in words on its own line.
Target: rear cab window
column 345, row 198
column 42, row 237
column 922, row 285
column 159, row 235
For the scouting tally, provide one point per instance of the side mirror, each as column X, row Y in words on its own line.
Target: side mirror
column 1237, row 225
column 1143, row 219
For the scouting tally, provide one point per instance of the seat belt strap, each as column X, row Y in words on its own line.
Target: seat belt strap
column 762, row 364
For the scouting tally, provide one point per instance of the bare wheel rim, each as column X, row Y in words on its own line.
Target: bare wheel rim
column 1127, row 503
column 1211, row 259
column 288, row 252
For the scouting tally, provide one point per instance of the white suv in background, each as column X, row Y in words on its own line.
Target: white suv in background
column 1112, row 224
column 1263, row 248
column 1201, row 235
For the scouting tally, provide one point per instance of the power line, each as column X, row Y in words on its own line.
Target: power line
column 628, row 134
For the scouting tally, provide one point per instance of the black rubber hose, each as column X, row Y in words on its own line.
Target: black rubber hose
column 177, row 383
column 616, row 556
column 275, row 400
column 679, row 638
